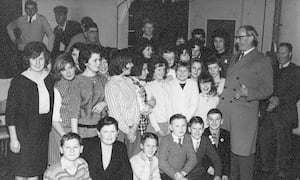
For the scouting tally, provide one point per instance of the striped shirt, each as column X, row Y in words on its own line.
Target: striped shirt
column 122, row 102
column 58, row 172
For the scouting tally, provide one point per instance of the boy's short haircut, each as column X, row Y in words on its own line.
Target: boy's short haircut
column 195, row 120
column 70, row 136
column 149, row 135
column 177, row 116
column 30, row 2
column 212, row 60
column 215, row 111
column 182, row 64
column 60, row 10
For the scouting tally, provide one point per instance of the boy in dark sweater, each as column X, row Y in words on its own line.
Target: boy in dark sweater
column 176, row 154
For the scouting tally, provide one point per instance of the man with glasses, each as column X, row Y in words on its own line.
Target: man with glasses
column 89, row 36
column 249, row 79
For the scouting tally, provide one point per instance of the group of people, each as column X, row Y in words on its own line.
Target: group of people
column 161, row 110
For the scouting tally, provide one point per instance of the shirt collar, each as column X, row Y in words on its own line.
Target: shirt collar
column 63, row 163
column 63, row 27
column 248, row 51
column 175, row 138
column 147, row 37
column 32, row 19
column 284, row 65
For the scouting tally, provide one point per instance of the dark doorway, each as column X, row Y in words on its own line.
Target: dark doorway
column 227, row 25
column 9, row 10
column 170, row 18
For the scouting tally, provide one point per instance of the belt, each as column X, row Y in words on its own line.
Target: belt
column 87, row 126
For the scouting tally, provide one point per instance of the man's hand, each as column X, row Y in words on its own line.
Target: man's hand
column 274, row 102
column 242, row 92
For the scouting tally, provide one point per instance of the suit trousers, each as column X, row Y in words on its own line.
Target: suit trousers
column 275, row 143
column 242, row 167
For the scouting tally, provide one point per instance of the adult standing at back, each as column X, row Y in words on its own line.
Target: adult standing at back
column 249, row 79
column 32, row 26
column 64, row 30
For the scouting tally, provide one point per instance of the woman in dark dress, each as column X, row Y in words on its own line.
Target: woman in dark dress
column 220, row 44
column 107, row 157
column 28, row 114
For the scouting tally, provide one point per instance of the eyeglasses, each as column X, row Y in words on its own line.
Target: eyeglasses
column 240, row 37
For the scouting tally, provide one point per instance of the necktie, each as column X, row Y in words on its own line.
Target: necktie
column 215, row 138
column 197, row 145
column 240, row 57
column 30, row 19
column 180, row 141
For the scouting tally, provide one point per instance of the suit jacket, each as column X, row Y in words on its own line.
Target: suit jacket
column 119, row 165
column 205, row 149
column 287, row 89
column 223, row 150
column 72, row 28
column 254, row 70
column 175, row 158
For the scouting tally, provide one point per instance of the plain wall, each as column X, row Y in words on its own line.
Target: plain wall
column 290, row 26
column 250, row 12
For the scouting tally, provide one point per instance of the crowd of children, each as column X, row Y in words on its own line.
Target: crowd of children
column 133, row 113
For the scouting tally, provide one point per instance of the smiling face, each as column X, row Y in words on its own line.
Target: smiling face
column 149, row 147
column 243, row 40
column 37, row 64
column 196, row 130
column 93, row 64
column 71, row 149
column 108, row 134
column 182, row 73
column 159, row 73
column 68, row 72
column 214, row 70
column 205, row 87
column 103, row 66
column 214, row 121
column 127, row 69
column 196, row 69
column 144, row 72
column 147, row 52
column 184, row 56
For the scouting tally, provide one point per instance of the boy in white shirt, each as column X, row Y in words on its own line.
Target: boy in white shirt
column 145, row 163
column 183, row 92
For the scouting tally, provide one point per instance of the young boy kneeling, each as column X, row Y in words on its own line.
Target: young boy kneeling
column 176, row 154
column 203, row 147
column 145, row 163
column 71, row 166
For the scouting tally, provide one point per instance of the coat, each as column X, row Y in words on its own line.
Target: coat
column 118, row 167
column 254, row 70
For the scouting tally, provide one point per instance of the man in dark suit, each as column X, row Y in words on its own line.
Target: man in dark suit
column 220, row 139
column 64, row 31
column 249, row 79
column 280, row 116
